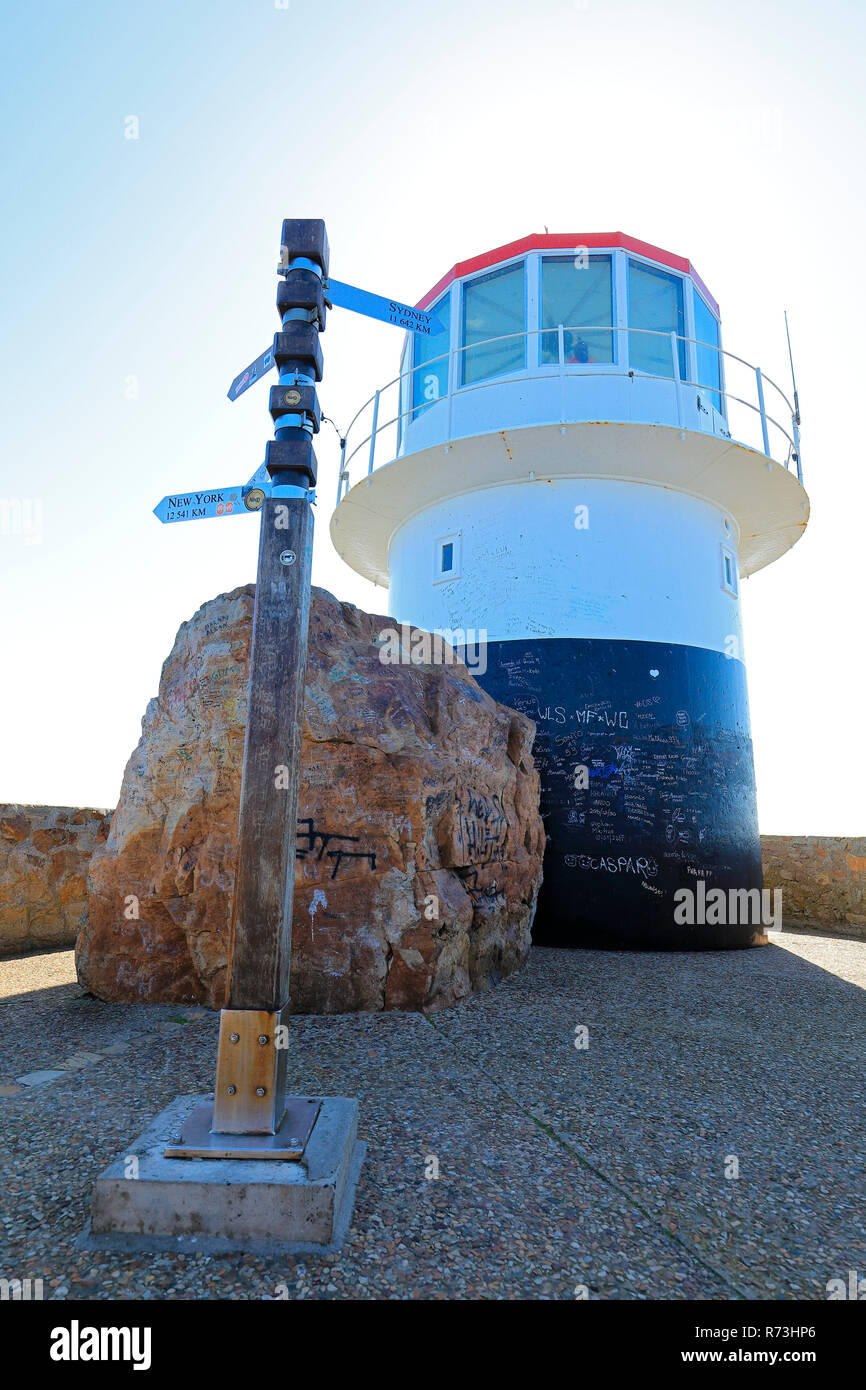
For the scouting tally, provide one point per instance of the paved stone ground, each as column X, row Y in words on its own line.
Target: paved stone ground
column 558, row 1166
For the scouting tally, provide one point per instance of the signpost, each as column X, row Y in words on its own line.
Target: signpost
column 245, row 379
column 388, row 310
column 223, row 501
column 145, row 1198
column 250, row 1116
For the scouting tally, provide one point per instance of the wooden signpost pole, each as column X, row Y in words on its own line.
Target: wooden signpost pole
column 251, row 1115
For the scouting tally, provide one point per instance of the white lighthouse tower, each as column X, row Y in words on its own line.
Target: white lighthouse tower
column 575, row 474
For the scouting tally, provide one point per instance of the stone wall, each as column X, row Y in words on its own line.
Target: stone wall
column 44, row 854
column 822, row 878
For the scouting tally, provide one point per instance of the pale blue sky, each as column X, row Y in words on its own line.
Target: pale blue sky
column 732, row 134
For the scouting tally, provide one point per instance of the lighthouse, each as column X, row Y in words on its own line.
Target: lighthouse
column 571, row 480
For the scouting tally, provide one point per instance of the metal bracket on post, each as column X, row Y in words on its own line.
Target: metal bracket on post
column 251, row 1116
column 251, row 1072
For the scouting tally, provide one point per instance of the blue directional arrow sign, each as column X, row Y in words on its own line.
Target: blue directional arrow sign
column 261, row 478
column 388, row 310
column 245, row 379
column 195, row 506
column 374, row 306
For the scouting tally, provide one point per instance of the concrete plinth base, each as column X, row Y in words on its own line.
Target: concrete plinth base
column 144, row 1201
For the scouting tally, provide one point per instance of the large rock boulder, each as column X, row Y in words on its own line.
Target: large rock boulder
column 44, row 852
column 419, row 839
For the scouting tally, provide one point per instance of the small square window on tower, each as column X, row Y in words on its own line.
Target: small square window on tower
column 729, row 571
column 446, row 558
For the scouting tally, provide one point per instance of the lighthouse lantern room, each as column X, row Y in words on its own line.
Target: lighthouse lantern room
column 570, row 482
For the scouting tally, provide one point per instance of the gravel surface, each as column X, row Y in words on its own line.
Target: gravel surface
column 560, row 1168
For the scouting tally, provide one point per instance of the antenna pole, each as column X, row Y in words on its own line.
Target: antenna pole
column 793, row 378
column 796, row 419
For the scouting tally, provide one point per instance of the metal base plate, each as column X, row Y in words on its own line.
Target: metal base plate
column 196, row 1139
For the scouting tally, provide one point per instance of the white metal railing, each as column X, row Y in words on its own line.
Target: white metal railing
column 401, row 421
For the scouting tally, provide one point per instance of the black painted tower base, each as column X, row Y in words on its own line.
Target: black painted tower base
column 667, row 797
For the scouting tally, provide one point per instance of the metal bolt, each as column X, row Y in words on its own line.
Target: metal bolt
column 235, row 1037
column 231, row 1090
column 263, row 1039
column 260, row 1091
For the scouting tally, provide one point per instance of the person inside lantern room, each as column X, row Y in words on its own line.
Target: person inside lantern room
column 575, row 347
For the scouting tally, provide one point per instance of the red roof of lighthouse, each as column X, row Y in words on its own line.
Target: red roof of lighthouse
column 566, row 241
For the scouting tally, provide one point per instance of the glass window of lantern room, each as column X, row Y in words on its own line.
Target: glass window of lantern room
column 494, row 306
column 707, row 349
column 577, row 292
column 655, row 302
column 430, row 364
